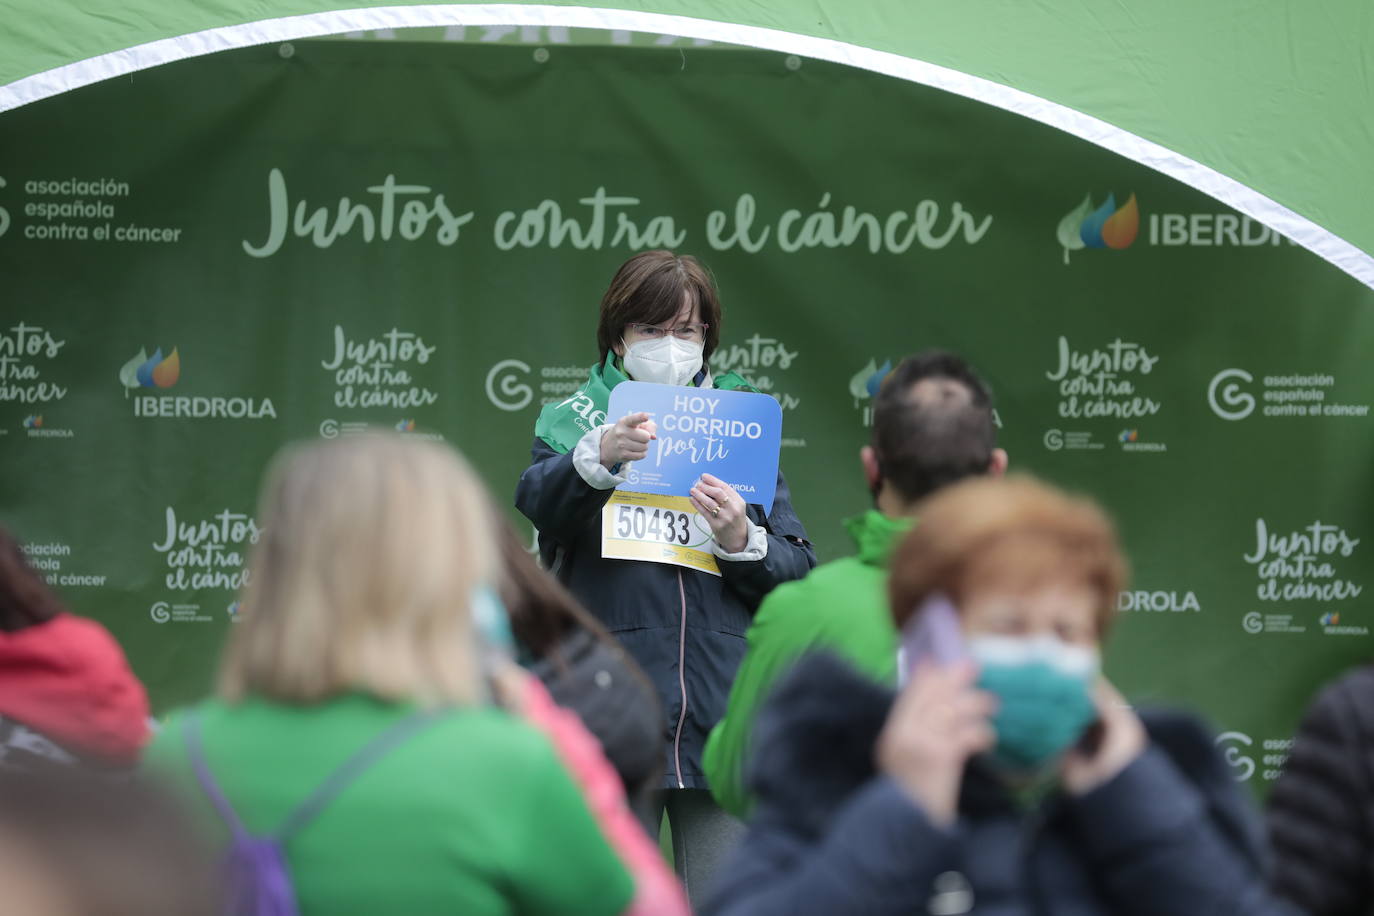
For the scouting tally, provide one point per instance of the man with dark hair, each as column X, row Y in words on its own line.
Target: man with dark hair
column 932, row 426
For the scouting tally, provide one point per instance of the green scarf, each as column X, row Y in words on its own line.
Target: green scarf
column 562, row 424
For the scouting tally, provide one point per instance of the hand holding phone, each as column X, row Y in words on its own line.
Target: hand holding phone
column 1108, row 746
column 937, row 723
column 933, row 633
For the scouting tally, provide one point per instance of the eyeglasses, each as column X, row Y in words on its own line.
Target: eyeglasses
column 695, row 333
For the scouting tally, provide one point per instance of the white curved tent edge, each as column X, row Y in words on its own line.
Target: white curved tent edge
column 1234, row 194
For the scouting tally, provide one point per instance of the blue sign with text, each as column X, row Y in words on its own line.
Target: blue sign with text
column 734, row 435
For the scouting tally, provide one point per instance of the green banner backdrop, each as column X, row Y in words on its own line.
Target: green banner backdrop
column 209, row 259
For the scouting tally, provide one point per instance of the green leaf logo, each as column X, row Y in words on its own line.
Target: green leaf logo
column 1069, row 235
column 128, row 375
column 858, row 385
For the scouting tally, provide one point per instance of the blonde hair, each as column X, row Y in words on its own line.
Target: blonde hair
column 363, row 577
column 1015, row 531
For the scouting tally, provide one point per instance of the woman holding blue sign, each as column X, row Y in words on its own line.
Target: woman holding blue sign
column 675, row 578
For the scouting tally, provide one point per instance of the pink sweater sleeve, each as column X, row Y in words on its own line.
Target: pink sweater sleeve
column 657, row 892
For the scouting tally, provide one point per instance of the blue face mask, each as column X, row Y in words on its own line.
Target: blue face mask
column 492, row 621
column 492, row 632
column 1044, row 692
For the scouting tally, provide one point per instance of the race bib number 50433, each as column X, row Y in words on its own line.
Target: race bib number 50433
column 657, row 529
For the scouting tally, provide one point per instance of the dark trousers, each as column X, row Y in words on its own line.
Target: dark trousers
column 703, row 835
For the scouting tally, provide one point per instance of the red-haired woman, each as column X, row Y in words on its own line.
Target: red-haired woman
column 1007, row 776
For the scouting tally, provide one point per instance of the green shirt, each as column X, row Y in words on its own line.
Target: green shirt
column 841, row 606
column 473, row 815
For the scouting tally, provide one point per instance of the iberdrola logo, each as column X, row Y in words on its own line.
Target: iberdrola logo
column 865, row 383
column 1101, row 227
column 147, row 372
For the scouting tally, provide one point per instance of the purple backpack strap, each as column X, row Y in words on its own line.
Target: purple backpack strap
column 256, row 879
column 196, row 751
column 258, row 882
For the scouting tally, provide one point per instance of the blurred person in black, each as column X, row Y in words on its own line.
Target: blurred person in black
column 586, row 671
column 75, row 844
column 1321, row 811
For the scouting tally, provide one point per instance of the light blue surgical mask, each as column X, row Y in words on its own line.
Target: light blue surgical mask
column 1044, row 691
column 492, row 634
column 492, row 621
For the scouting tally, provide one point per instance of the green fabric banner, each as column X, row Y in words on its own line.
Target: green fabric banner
column 226, row 254
column 1276, row 123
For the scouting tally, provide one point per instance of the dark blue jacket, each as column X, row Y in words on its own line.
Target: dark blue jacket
column 1171, row 835
column 1321, row 811
column 685, row 628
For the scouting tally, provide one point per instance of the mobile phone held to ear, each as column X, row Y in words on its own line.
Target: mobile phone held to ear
column 1091, row 740
column 932, row 634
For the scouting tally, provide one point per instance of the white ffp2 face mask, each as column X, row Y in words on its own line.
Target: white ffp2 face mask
column 667, row 361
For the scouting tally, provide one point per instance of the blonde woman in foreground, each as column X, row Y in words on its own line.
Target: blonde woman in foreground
column 359, row 755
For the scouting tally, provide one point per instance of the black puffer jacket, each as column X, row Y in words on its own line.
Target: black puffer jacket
column 1321, row 812
column 1171, row 835
column 685, row 628
column 592, row 677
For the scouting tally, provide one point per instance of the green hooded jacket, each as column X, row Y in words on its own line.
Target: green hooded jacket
column 840, row 606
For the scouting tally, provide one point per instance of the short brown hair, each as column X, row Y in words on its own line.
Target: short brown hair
column 25, row 599
column 932, row 424
column 649, row 289
column 1016, row 529
column 542, row 611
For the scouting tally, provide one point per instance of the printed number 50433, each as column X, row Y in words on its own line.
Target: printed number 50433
column 653, row 524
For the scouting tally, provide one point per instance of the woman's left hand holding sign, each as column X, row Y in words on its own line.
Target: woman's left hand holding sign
column 724, row 511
